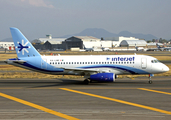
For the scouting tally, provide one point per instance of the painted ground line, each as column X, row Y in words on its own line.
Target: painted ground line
column 38, row 107
column 167, row 93
column 119, row 101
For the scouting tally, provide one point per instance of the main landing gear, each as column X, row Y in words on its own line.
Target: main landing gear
column 87, row 81
column 150, row 81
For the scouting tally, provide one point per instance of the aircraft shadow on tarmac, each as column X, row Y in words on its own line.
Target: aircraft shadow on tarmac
column 69, row 82
column 65, row 82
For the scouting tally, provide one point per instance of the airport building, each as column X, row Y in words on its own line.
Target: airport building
column 82, row 42
column 133, row 43
column 7, row 45
column 48, row 43
column 117, row 40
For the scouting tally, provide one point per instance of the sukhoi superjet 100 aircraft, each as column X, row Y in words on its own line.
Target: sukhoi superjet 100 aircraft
column 103, row 68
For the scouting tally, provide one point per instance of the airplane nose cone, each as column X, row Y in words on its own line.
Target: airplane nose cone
column 165, row 68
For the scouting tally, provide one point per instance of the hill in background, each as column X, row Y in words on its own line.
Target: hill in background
column 99, row 33
column 102, row 33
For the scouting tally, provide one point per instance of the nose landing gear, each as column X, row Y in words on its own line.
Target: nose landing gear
column 150, row 81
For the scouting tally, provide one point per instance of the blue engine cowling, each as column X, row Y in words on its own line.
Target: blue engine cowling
column 103, row 77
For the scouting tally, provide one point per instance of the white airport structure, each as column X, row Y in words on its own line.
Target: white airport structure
column 133, row 43
column 117, row 40
column 7, row 45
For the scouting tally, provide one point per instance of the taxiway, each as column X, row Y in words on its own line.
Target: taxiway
column 71, row 99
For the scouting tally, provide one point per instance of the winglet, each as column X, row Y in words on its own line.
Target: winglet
column 22, row 46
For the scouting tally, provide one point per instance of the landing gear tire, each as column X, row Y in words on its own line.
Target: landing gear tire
column 150, row 82
column 86, row 81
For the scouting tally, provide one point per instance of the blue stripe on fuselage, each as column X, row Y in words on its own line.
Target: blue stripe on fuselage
column 121, row 67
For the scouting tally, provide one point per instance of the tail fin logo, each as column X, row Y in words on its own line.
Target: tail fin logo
column 22, row 47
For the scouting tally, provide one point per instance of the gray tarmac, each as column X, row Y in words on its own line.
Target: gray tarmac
column 96, row 101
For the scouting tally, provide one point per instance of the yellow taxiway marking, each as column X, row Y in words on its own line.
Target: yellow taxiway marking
column 154, row 91
column 119, row 101
column 38, row 107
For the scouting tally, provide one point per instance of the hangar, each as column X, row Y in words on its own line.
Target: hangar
column 48, row 43
column 133, row 43
column 82, row 41
column 117, row 40
column 53, row 45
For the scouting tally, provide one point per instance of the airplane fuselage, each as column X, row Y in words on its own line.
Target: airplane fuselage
column 118, row 64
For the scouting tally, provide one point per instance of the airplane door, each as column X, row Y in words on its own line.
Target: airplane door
column 143, row 63
column 44, row 64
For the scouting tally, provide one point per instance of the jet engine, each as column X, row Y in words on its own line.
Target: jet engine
column 103, row 77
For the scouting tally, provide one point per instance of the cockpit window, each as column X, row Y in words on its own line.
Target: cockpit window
column 155, row 61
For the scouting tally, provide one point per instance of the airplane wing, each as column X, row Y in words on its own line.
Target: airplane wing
column 89, row 71
column 81, row 70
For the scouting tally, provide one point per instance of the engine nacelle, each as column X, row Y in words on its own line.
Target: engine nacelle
column 103, row 77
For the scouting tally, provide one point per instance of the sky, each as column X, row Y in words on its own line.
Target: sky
column 36, row 18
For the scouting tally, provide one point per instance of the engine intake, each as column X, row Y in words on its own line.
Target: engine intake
column 103, row 77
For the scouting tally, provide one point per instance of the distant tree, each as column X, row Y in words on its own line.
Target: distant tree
column 162, row 40
column 102, row 38
column 149, row 41
column 153, row 40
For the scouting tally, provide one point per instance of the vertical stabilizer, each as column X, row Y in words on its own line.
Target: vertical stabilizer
column 22, row 46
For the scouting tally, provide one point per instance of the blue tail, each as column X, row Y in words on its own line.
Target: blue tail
column 22, row 46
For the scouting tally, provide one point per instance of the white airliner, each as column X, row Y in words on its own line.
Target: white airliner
column 103, row 68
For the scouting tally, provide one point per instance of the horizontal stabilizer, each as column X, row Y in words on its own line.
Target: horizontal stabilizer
column 15, row 61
